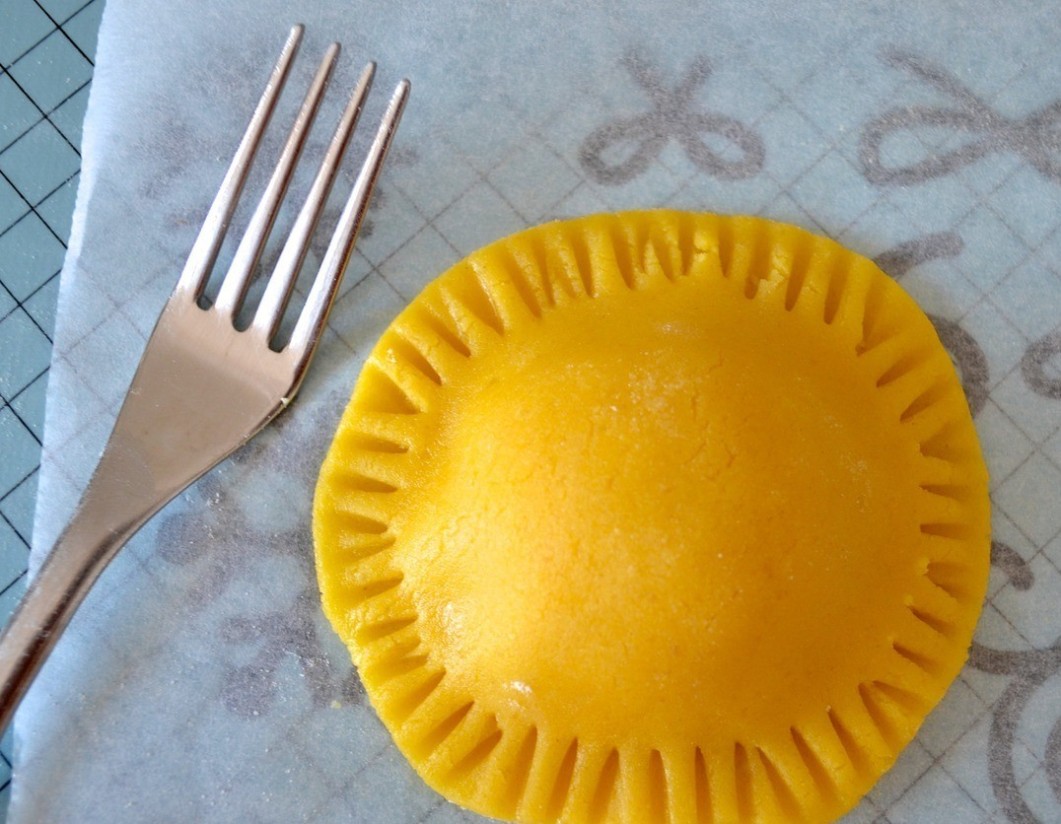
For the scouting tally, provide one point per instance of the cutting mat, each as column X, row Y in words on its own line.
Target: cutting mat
column 46, row 62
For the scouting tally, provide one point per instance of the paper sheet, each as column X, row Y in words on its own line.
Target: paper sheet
column 200, row 681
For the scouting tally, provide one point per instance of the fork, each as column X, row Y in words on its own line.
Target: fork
column 203, row 387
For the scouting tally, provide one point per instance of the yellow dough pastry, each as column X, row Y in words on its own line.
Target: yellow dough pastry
column 655, row 517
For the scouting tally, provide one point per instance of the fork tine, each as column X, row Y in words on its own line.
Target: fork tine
column 278, row 290
column 207, row 244
column 319, row 302
column 234, row 286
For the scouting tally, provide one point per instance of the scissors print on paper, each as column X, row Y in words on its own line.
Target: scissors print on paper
column 260, row 642
column 1036, row 137
column 625, row 147
column 966, row 352
column 1035, row 366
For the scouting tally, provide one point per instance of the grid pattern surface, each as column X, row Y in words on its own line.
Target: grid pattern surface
column 46, row 63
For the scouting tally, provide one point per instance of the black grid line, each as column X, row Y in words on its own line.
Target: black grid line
column 56, row 25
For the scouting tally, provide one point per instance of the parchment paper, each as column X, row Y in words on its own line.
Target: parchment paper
column 199, row 681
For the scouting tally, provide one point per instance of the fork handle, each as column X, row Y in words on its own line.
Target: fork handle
column 162, row 442
column 106, row 518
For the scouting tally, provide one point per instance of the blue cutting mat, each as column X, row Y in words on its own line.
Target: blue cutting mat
column 46, row 61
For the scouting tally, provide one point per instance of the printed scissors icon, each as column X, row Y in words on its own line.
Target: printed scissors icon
column 672, row 117
column 1037, row 137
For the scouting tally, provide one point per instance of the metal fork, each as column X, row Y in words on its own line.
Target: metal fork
column 203, row 388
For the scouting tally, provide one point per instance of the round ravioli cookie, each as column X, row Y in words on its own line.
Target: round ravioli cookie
column 655, row 517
